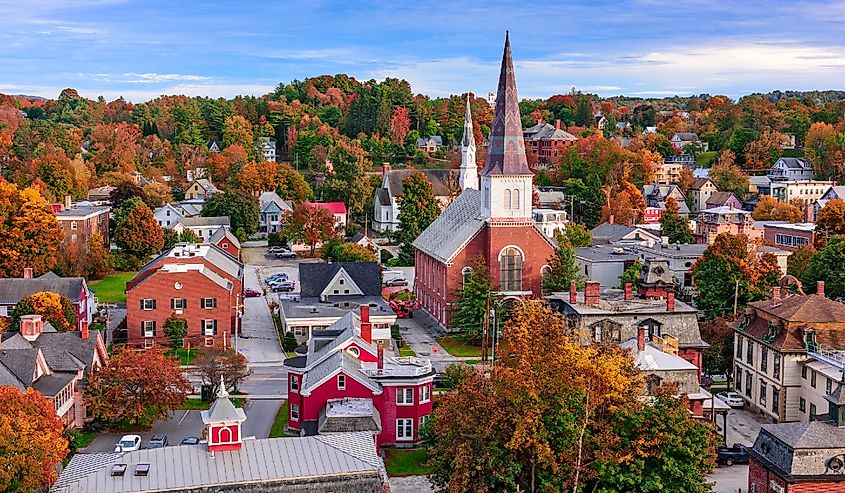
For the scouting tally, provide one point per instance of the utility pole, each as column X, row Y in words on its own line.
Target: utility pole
column 736, row 296
column 486, row 329
column 495, row 335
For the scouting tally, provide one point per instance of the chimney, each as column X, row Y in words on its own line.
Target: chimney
column 670, row 301
column 84, row 331
column 573, row 292
column 641, row 338
column 31, row 326
column 27, row 273
column 385, row 168
column 557, row 124
column 380, row 355
column 610, row 219
column 366, row 326
column 629, row 290
column 67, row 202
column 592, row 293
column 820, row 288
column 775, row 298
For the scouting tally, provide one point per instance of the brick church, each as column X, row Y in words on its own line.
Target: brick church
column 494, row 222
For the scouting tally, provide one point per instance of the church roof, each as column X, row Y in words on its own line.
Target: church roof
column 455, row 227
column 506, row 152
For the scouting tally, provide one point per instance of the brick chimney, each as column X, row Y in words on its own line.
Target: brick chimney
column 67, row 202
column 27, row 273
column 670, row 301
column 385, row 168
column 610, row 219
column 380, row 355
column 820, row 288
column 31, row 326
column 84, row 330
column 640, row 338
column 775, row 297
column 629, row 290
column 592, row 293
column 366, row 326
column 557, row 124
column 573, row 293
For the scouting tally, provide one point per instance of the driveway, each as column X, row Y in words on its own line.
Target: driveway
column 420, row 334
column 743, row 427
column 259, row 342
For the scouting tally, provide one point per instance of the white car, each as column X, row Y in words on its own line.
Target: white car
column 731, row 398
column 129, row 443
column 277, row 249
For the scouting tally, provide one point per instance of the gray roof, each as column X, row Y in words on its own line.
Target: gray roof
column 335, row 306
column 52, row 344
column 615, row 232
column 314, row 277
column 599, row 253
column 795, row 163
column 383, row 196
column 227, row 232
column 547, row 131
column 78, row 212
column 349, row 415
column 50, row 385
column 21, row 363
column 13, row 290
column 440, row 180
column 194, row 221
column 337, row 360
column 267, row 198
column 686, row 136
column 222, row 410
column 423, row 140
column 454, row 228
column 206, row 185
column 257, row 462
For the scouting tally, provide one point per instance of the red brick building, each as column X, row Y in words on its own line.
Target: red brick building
column 81, row 223
column 494, row 223
column 201, row 284
column 789, row 235
column 544, row 138
column 346, row 383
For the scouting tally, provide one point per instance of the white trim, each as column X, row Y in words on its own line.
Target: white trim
column 292, row 407
column 328, row 377
column 521, row 252
column 354, row 289
column 401, row 425
column 425, row 397
column 403, row 392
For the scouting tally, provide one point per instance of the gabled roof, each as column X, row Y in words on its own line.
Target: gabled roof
column 383, row 197
column 224, row 232
column 443, row 181
column 721, row 198
column 809, row 308
column 268, row 198
column 422, row 141
column 314, row 277
column 506, row 151
column 454, row 228
column 807, row 435
column 547, row 131
column 333, row 207
column 206, row 185
column 795, row 163
column 616, row 232
column 336, row 361
column 203, row 221
column 686, row 136
column 21, row 363
column 13, row 290
column 699, row 183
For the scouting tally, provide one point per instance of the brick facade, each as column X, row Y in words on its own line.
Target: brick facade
column 761, row 479
column 79, row 225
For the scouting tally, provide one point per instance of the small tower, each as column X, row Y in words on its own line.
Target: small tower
column 469, row 170
column 223, row 420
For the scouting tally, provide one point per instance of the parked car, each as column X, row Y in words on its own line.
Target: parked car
column 190, row 441
column 732, row 399
column 251, row 293
column 396, row 282
column 276, row 249
column 390, row 276
column 283, row 287
column 279, row 276
column 129, row 443
column 729, row 456
column 285, row 254
column 157, row 441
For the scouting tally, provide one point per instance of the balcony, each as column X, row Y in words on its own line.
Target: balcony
column 405, row 366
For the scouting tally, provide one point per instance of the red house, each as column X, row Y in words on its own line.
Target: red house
column 345, row 383
column 494, row 224
column 226, row 240
column 201, row 284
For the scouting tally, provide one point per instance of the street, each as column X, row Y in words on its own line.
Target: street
column 743, row 427
column 420, row 334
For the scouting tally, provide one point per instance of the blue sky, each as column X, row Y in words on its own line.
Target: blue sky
column 140, row 49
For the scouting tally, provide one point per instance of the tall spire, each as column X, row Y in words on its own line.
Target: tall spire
column 469, row 169
column 506, row 153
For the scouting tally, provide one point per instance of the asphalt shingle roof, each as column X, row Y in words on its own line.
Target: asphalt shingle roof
column 314, row 277
column 13, row 290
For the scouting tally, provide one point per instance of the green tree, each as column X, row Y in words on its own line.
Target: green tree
column 418, row 209
column 828, row 265
column 674, row 225
column 579, row 235
column 240, row 206
column 631, row 273
column 339, row 251
column 470, row 306
column 175, row 329
column 718, row 357
column 562, row 268
column 289, row 342
column 798, row 263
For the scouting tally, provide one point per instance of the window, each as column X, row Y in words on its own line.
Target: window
column 149, row 328
column 425, row 393
column 354, row 351
column 299, row 330
column 804, row 372
column 812, row 411
column 749, row 381
column 73, row 237
column 507, row 199
column 294, row 412
column 764, row 360
column 762, row 392
column 515, row 199
column 209, row 303
column 802, row 405
column 178, row 303
column 405, row 396
column 738, row 347
column 776, row 366
column 73, row 225
column 813, row 379
column 510, row 267
column 423, row 419
column 404, row 429
column 738, row 382
column 341, row 382
column 209, row 327
column 828, row 386
column 294, row 383
column 148, row 304
column 775, row 399
column 749, row 353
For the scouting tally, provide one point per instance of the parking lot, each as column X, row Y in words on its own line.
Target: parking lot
column 180, row 424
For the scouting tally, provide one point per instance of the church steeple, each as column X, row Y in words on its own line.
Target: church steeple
column 469, row 170
column 506, row 180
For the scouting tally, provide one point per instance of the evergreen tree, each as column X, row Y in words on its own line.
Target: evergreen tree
column 470, row 306
column 562, row 268
column 419, row 208
column 175, row 329
column 675, row 226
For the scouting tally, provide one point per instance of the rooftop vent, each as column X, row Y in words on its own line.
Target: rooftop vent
column 118, row 469
column 142, row 469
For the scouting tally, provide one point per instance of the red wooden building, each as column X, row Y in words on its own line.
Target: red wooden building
column 493, row 224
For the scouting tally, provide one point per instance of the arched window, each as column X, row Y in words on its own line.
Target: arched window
column 507, row 199
column 510, row 269
column 466, row 273
column 515, row 199
column 354, row 351
column 544, row 273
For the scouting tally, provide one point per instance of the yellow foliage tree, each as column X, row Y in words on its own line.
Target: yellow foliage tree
column 29, row 232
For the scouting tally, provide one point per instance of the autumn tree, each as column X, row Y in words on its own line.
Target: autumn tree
column 31, row 235
column 675, row 226
column 562, row 268
column 770, row 209
column 799, row 261
column 137, row 232
column 31, row 441
column 214, row 363
column 469, row 308
column 125, row 191
column 727, row 176
column 240, row 206
column 157, row 194
column 831, row 219
column 338, row 251
column 717, row 359
column 237, row 130
column 310, row 223
column 578, row 235
column 53, row 307
column 825, row 148
column 114, row 146
column 625, row 204
column 763, row 152
column 89, row 260
column 827, row 265
column 400, row 123
column 137, row 387
column 418, row 209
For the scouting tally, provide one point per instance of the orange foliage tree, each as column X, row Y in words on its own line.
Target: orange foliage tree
column 29, row 232
column 53, row 307
column 770, row 209
column 114, row 146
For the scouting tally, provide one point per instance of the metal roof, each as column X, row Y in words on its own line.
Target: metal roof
column 455, row 227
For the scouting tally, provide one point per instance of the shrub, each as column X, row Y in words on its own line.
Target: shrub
column 289, row 343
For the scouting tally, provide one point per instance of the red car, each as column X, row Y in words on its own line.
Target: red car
column 251, row 293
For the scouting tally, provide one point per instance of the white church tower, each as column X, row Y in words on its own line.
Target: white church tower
column 469, row 170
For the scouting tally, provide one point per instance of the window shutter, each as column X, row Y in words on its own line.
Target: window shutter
column 154, row 325
column 185, row 303
column 154, row 304
column 141, row 303
column 214, row 324
column 172, row 303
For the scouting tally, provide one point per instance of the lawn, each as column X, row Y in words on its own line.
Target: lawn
column 705, row 159
column 406, row 462
column 278, row 428
column 186, row 356
column 406, row 351
column 110, row 289
column 460, row 345
column 199, row 405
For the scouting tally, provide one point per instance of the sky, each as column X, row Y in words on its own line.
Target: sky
column 645, row 48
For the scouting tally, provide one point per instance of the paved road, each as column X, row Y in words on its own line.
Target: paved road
column 420, row 333
column 259, row 341
column 743, row 428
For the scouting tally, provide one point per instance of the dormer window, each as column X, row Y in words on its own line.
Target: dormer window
column 810, row 343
